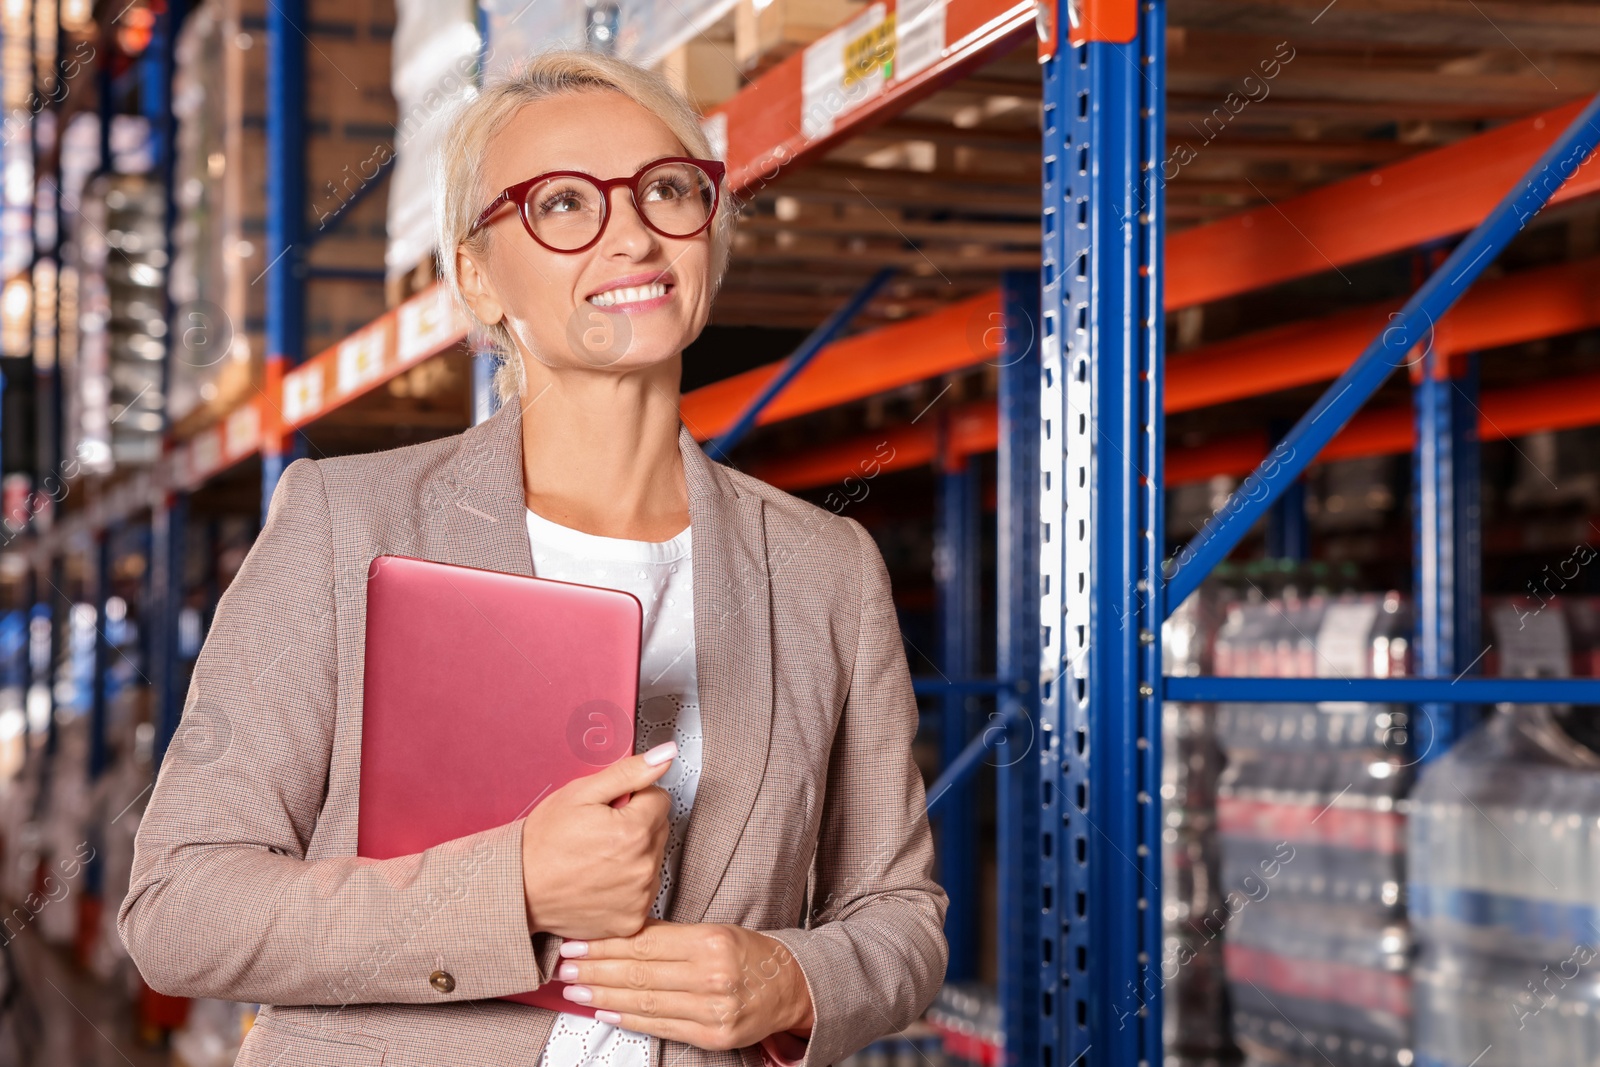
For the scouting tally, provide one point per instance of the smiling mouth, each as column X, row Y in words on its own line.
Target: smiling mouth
column 632, row 294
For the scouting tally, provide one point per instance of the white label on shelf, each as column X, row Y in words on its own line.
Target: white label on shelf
column 919, row 36
column 243, row 430
column 426, row 323
column 302, row 393
column 1531, row 637
column 843, row 69
column 1344, row 643
column 361, row 359
column 205, row 453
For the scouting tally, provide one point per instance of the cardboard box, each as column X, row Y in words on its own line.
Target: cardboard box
column 766, row 37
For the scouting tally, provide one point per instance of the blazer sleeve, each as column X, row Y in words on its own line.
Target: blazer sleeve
column 222, row 900
column 875, row 953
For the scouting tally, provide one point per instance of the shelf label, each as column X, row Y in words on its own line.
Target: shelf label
column 205, row 454
column 243, row 431
column 302, row 393
column 361, row 358
column 919, row 36
column 427, row 323
column 844, row 69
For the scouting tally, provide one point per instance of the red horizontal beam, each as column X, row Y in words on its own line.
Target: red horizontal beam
column 974, row 428
column 1435, row 194
column 774, row 123
column 956, row 336
column 1558, row 404
column 1546, row 302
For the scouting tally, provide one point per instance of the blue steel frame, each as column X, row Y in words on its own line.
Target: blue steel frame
column 815, row 342
column 956, row 555
column 1448, row 542
column 1099, row 747
column 168, row 525
column 1102, row 595
column 286, row 179
column 1411, row 326
column 1448, row 585
column 1017, row 652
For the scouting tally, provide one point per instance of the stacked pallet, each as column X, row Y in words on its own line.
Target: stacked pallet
column 220, row 261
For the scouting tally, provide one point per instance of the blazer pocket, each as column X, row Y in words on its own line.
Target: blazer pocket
column 274, row 1042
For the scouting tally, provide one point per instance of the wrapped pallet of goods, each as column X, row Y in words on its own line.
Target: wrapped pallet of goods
column 435, row 63
column 220, row 233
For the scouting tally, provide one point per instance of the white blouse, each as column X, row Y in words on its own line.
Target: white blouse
column 660, row 574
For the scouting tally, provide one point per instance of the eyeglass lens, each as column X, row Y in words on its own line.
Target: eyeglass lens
column 565, row 212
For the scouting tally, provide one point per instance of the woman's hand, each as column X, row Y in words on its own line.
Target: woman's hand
column 709, row 985
column 590, row 869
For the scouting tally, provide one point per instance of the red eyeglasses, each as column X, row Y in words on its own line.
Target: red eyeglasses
column 567, row 210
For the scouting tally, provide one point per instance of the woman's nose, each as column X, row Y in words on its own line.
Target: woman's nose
column 624, row 208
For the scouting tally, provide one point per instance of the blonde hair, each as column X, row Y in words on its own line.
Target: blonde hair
column 458, row 169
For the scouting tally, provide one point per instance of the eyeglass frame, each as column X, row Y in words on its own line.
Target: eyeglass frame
column 517, row 194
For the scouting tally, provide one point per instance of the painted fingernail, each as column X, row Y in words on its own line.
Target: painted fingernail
column 574, row 948
column 661, row 753
column 579, row 993
column 607, row 1016
column 568, row 972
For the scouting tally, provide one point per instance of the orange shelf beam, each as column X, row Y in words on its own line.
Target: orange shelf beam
column 774, row 123
column 1558, row 404
column 1545, row 302
column 766, row 128
column 1402, row 205
column 869, row 363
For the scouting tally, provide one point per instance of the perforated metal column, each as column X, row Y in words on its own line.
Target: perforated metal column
column 1017, row 653
column 1447, row 546
column 1100, row 452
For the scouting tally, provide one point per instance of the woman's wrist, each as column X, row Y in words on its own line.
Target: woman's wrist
column 802, row 1017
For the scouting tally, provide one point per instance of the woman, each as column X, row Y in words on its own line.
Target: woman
column 793, row 918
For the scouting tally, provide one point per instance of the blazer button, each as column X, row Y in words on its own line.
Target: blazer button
column 443, row 981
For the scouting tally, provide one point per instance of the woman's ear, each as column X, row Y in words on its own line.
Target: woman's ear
column 475, row 288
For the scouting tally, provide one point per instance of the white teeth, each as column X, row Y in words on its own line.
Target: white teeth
column 628, row 296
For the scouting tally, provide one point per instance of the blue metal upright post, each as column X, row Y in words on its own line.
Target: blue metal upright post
column 286, row 181
column 1100, row 746
column 1017, row 662
column 104, row 542
column 1445, row 513
column 60, row 646
column 30, row 600
column 167, row 552
column 956, row 567
column 1288, row 531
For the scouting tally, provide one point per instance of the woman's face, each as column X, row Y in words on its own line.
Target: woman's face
column 546, row 298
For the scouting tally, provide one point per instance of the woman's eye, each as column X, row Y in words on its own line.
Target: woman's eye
column 663, row 191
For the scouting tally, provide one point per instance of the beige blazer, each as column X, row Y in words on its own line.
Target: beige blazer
column 809, row 821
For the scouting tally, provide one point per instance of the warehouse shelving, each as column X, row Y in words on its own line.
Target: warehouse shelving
column 1084, row 389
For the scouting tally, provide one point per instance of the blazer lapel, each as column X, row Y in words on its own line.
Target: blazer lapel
column 473, row 515
column 733, row 660
column 473, row 510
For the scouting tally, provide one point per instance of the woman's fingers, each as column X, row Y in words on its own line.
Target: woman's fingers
column 626, row 775
column 658, row 940
column 680, row 976
column 704, row 1011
